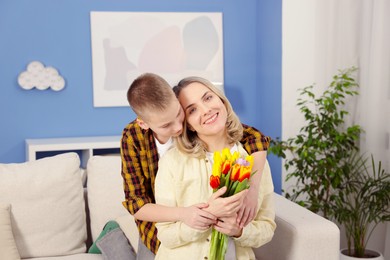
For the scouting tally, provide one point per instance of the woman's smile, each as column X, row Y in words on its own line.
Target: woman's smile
column 211, row 120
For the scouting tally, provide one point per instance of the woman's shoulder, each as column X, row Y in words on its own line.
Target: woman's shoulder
column 173, row 154
column 241, row 149
column 177, row 157
column 173, row 151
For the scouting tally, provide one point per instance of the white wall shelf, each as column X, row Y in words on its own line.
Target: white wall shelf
column 85, row 146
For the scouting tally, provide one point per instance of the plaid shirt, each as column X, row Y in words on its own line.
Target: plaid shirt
column 139, row 167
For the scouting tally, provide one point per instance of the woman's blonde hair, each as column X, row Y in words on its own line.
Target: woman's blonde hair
column 189, row 142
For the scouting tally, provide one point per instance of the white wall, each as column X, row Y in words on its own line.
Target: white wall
column 312, row 53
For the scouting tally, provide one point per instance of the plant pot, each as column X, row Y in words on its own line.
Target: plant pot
column 370, row 254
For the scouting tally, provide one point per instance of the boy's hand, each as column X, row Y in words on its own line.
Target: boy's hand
column 249, row 207
column 223, row 207
column 197, row 218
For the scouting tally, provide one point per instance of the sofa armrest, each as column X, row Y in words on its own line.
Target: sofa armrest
column 300, row 234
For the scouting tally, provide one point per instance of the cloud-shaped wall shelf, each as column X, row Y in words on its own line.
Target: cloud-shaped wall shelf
column 41, row 77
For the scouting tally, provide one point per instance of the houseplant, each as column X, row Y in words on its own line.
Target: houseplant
column 323, row 156
column 319, row 153
column 362, row 201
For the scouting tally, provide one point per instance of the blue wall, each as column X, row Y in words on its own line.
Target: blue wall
column 57, row 33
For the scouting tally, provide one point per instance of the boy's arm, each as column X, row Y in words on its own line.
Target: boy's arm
column 192, row 216
column 261, row 230
column 262, row 227
column 247, row 213
column 138, row 192
column 255, row 143
column 253, row 140
column 135, row 184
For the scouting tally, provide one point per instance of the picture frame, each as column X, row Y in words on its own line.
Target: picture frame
column 173, row 45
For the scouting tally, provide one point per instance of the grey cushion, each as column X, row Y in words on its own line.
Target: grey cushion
column 115, row 246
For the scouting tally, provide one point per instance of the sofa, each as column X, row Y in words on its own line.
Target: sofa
column 52, row 209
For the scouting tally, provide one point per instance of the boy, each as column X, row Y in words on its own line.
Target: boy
column 159, row 118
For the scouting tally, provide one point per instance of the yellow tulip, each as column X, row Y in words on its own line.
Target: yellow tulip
column 226, row 155
column 250, row 159
column 217, row 158
column 235, row 156
column 216, row 171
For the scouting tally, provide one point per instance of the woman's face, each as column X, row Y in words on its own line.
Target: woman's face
column 205, row 112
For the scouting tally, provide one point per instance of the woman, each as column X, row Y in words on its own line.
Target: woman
column 184, row 171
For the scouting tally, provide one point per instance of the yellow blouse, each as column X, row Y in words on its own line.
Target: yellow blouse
column 184, row 181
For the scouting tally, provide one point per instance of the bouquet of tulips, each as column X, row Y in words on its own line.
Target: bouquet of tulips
column 232, row 171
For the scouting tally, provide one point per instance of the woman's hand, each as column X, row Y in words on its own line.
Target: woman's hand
column 229, row 226
column 223, row 207
column 196, row 217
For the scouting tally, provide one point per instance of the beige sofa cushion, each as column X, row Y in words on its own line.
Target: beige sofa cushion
column 8, row 248
column 105, row 196
column 48, row 211
column 71, row 257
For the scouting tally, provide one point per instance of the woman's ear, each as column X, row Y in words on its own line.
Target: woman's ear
column 142, row 124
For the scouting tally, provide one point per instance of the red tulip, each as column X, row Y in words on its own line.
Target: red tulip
column 214, row 181
column 245, row 173
column 235, row 172
column 226, row 166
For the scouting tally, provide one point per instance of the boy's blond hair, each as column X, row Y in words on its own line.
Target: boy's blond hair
column 188, row 142
column 149, row 93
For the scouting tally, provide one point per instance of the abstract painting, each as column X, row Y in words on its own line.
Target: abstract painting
column 172, row 45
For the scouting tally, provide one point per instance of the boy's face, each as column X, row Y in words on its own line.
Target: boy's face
column 165, row 124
